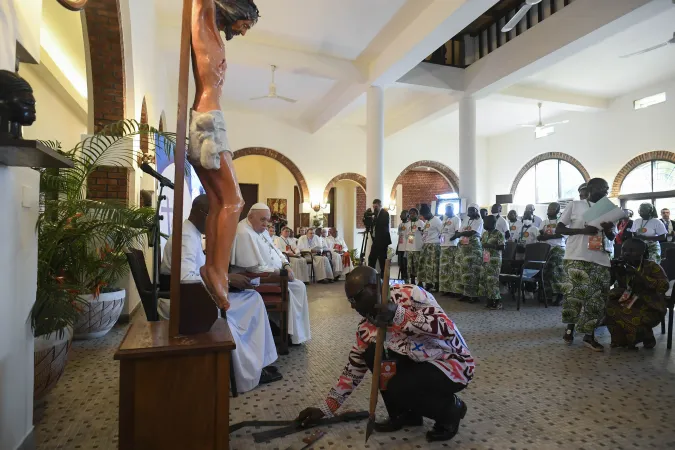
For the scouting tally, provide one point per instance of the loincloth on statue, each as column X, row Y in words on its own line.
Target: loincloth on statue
column 208, row 139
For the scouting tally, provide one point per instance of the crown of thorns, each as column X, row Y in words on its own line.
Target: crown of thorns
column 233, row 10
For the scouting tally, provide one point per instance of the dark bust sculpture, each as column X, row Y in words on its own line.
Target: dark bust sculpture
column 17, row 104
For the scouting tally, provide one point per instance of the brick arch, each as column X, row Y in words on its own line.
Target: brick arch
column 106, row 50
column 441, row 168
column 543, row 157
column 355, row 177
column 144, row 121
column 660, row 155
column 283, row 160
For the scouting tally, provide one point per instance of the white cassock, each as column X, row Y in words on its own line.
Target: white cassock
column 247, row 316
column 322, row 267
column 256, row 253
column 299, row 263
column 338, row 247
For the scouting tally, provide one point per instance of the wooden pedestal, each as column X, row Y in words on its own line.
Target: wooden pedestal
column 174, row 392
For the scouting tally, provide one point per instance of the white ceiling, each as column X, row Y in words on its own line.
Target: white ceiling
column 600, row 71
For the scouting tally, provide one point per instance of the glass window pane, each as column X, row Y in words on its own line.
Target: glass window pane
column 525, row 190
column 638, row 180
column 547, row 181
column 570, row 180
column 664, row 176
column 669, row 203
column 634, row 205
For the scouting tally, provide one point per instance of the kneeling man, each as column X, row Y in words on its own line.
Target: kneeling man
column 432, row 360
column 246, row 314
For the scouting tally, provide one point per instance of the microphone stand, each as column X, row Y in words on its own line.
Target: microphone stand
column 155, row 244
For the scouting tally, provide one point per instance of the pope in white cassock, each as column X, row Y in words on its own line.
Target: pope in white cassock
column 254, row 252
column 310, row 242
column 289, row 248
column 342, row 262
column 247, row 316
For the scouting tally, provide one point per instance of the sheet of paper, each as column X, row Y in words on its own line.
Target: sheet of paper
column 602, row 207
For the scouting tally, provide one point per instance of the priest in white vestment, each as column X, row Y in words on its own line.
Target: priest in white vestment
column 290, row 250
column 254, row 252
column 311, row 243
column 342, row 261
column 246, row 316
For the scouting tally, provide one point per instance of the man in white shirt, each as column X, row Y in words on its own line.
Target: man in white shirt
column 587, row 266
column 536, row 220
column 502, row 226
column 668, row 224
column 414, row 244
column 431, row 250
column 246, row 315
column 650, row 229
column 290, row 249
column 514, row 225
column 554, row 272
column 312, row 246
column 448, row 277
column 253, row 251
column 339, row 248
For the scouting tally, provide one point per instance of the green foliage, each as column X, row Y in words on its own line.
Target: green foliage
column 81, row 242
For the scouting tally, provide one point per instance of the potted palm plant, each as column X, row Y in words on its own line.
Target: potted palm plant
column 81, row 245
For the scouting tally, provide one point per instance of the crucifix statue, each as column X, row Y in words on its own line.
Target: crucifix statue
column 209, row 151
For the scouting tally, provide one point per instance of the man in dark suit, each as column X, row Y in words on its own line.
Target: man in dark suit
column 381, row 236
column 670, row 225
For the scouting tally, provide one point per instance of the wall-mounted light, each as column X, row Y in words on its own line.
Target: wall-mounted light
column 320, row 207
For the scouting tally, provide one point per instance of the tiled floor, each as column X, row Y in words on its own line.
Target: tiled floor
column 530, row 392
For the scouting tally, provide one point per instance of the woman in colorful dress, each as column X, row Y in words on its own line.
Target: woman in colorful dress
column 650, row 229
column 637, row 303
column 470, row 258
column 414, row 244
column 448, row 278
column 431, row 250
column 493, row 243
column 554, row 272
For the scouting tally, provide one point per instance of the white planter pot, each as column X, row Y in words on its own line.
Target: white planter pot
column 99, row 314
column 50, row 356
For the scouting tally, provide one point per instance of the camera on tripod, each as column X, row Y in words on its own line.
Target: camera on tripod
column 369, row 219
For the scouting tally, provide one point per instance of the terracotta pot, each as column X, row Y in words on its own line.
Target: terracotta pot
column 99, row 314
column 50, row 355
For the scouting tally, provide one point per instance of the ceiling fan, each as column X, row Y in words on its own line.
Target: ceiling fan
column 272, row 93
column 519, row 15
column 541, row 125
column 647, row 50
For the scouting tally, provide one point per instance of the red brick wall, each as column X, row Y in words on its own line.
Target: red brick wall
column 360, row 206
column 109, row 183
column 107, row 61
column 422, row 187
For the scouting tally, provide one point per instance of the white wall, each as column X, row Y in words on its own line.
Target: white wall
column 57, row 121
column 272, row 178
column 345, row 219
column 603, row 142
column 18, row 271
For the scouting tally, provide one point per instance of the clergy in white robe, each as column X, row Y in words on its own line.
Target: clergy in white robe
column 246, row 316
column 310, row 243
column 342, row 261
column 253, row 251
column 290, row 249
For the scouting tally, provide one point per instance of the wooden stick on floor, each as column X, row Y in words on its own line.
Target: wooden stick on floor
column 179, row 163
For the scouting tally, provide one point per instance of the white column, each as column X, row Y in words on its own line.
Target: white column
column 375, row 146
column 467, row 149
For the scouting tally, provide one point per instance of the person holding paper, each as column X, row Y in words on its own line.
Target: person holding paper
column 638, row 302
column 586, row 265
column 650, row 229
column 554, row 273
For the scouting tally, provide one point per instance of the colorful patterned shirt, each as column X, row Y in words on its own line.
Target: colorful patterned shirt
column 421, row 331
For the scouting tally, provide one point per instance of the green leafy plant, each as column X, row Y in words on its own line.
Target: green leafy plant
column 81, row 242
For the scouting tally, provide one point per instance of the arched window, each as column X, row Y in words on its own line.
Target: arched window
column 548, row 181
column 650, row 182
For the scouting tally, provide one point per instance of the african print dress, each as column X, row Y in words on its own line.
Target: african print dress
column 554, row 272
column 492, row 264
column 629, row 326
column 470, row 258
column 448, row 276
column 585, row 289
column 431, row 253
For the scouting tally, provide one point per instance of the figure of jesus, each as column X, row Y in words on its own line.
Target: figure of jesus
column 209, row 151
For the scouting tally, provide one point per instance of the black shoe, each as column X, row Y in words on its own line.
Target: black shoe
column 497, row 305
column 445, row 432
column 649, row 342
column 272, row 369
column 394, row 424
column 568, row 337
column 590, row 342
column 268, row 377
